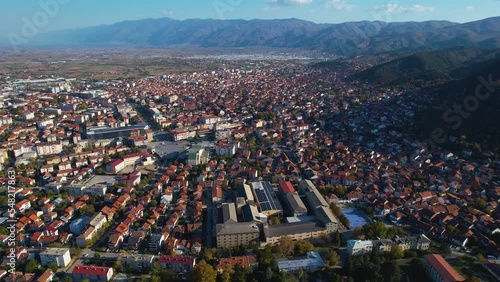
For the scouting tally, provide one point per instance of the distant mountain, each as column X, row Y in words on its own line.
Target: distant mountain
column 435, row 66
column 346, row 39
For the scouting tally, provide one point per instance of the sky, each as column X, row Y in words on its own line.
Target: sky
column 48, row 15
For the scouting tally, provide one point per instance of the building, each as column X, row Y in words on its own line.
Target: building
column 156, row 242
column 47, row 276
column 358, row 247
column 49, row 148
column 92, row 273
column 98, row 221
column 235, row 234
column 311, row 262
column 78, row 226
column 83, row 239
column 244, row 261
column 61, row 256
column 198, row 155
column 266, row 197
column 137, row 261
column 318, row 205
column 296, row 231
column 229, row 213
column 295, row 205
column 177, row 264
column 439, row 270
column 106, row 132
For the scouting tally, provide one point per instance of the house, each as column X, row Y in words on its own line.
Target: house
column 177, row 264
column 244, row 261
column 137, row 261
column 92, row 273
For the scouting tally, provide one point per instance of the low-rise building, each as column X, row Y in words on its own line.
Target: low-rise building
column 439, row 270
column 61, row 256
column 137, row 261
column 177, row 264
column 92, row 273
column 311, row 262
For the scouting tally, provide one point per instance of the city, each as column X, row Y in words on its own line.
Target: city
column 231, row 166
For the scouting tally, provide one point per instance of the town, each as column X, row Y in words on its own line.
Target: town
column 277, row 168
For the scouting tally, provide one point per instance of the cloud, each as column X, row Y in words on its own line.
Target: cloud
column 397, row 8
column 289, row 2
column 466, row 9
column 167, row 13
column 340, row 5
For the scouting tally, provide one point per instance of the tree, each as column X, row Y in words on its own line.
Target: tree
column 479, row 203
column 76, row 252
column 117, row 266
column 53, row 266
column 31, row 266
column 302, row 247
column 480, row 258
column 227, row 272
column 68, row 279
column 203, row 272
column 333, row 259
column 97, row 255
column 285, row 247
column 396, row 253
column 473, row 279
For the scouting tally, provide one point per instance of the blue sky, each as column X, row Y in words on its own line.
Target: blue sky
column 63, row 14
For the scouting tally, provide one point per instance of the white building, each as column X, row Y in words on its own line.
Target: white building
column 359, row 247
column 61, row 256
column 312, row 262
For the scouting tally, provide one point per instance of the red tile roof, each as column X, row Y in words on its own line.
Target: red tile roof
column 286, row 187
column 90, row 269
column 445, row 270
column 177, row 259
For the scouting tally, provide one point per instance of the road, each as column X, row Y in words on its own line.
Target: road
column 211, row 220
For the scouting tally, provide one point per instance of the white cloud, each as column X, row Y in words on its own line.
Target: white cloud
column 167, row 13
column 340, row 5
column 397, row 8
column 289, row 2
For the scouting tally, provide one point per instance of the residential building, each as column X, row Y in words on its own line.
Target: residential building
column 177, row 264
column 61, row 256
column 92, row 273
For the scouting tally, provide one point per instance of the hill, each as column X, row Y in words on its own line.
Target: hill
column 430, row 67
column 347, row 39
column 460, row 111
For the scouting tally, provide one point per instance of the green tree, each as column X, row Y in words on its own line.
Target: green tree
column 479, row 203
column 31, row 266
column 53, row 266
column 301, row 247
column 396, row 253
column 167, row 275
column 227, row 272
column 285, row 247
column 333, row 259
column 117, row 266
column 203, row 272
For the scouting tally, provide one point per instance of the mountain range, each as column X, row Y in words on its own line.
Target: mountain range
column 345, row 39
